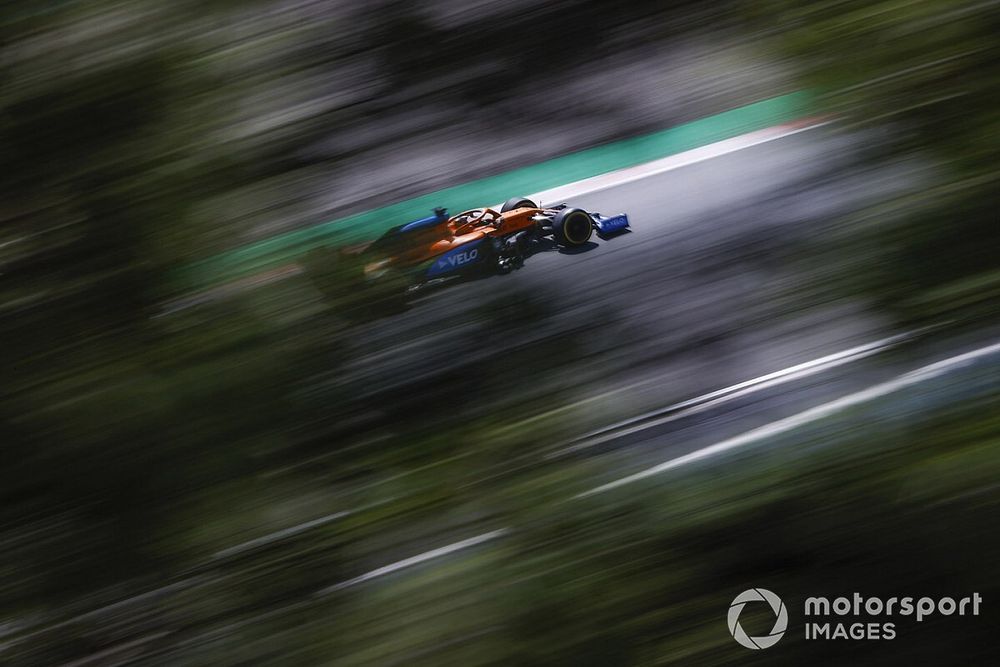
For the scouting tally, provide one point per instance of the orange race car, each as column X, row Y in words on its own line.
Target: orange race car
column 482, row 239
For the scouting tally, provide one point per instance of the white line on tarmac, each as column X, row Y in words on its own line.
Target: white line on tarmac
column 810, row 415
column 671, row 162
column 711, row 399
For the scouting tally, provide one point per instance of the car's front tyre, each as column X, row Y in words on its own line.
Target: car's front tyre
column 572, row 227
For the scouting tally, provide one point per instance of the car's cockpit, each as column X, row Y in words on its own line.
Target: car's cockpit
column 470, row 220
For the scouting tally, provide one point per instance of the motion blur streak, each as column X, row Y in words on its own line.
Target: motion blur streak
column 416, row 560
column 279, row 535
column 675, row 411
column 264, row 403
column 814, row 414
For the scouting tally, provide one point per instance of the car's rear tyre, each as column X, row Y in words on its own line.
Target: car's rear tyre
column 572, row 227
column 517, row 202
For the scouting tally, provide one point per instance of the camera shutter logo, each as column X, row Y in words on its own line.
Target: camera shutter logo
column 780, row 622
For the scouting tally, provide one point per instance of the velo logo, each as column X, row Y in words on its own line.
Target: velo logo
column 780, row 622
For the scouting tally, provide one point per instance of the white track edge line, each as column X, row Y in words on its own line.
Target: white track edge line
column 789, row 374
column 810, row 415
column 671, row 162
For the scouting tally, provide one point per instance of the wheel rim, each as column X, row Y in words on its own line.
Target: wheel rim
column 577, row 228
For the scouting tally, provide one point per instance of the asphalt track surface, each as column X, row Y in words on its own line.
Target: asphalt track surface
column 694, row 298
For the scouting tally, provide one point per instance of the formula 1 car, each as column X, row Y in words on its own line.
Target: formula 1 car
column 481, row 239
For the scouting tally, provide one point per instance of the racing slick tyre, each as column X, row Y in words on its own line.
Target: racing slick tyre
column 572, row 227
column 517, row 202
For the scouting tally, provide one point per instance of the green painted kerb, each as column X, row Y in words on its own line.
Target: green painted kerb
column 559, row 171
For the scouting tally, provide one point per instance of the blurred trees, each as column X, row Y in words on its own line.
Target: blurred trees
column 923, row 74
column 111, row 414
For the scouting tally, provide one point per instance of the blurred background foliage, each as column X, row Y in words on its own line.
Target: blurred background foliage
column 922, row 74
column 141, row 444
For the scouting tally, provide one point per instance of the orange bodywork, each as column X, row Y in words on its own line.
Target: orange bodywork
column 433, row 241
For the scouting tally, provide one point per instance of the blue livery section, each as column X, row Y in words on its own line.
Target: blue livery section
column 439, row 216
column 610, row 224
column 458, row 258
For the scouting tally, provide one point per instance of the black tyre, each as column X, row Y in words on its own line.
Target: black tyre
column 517, row 202
column 572, row 227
